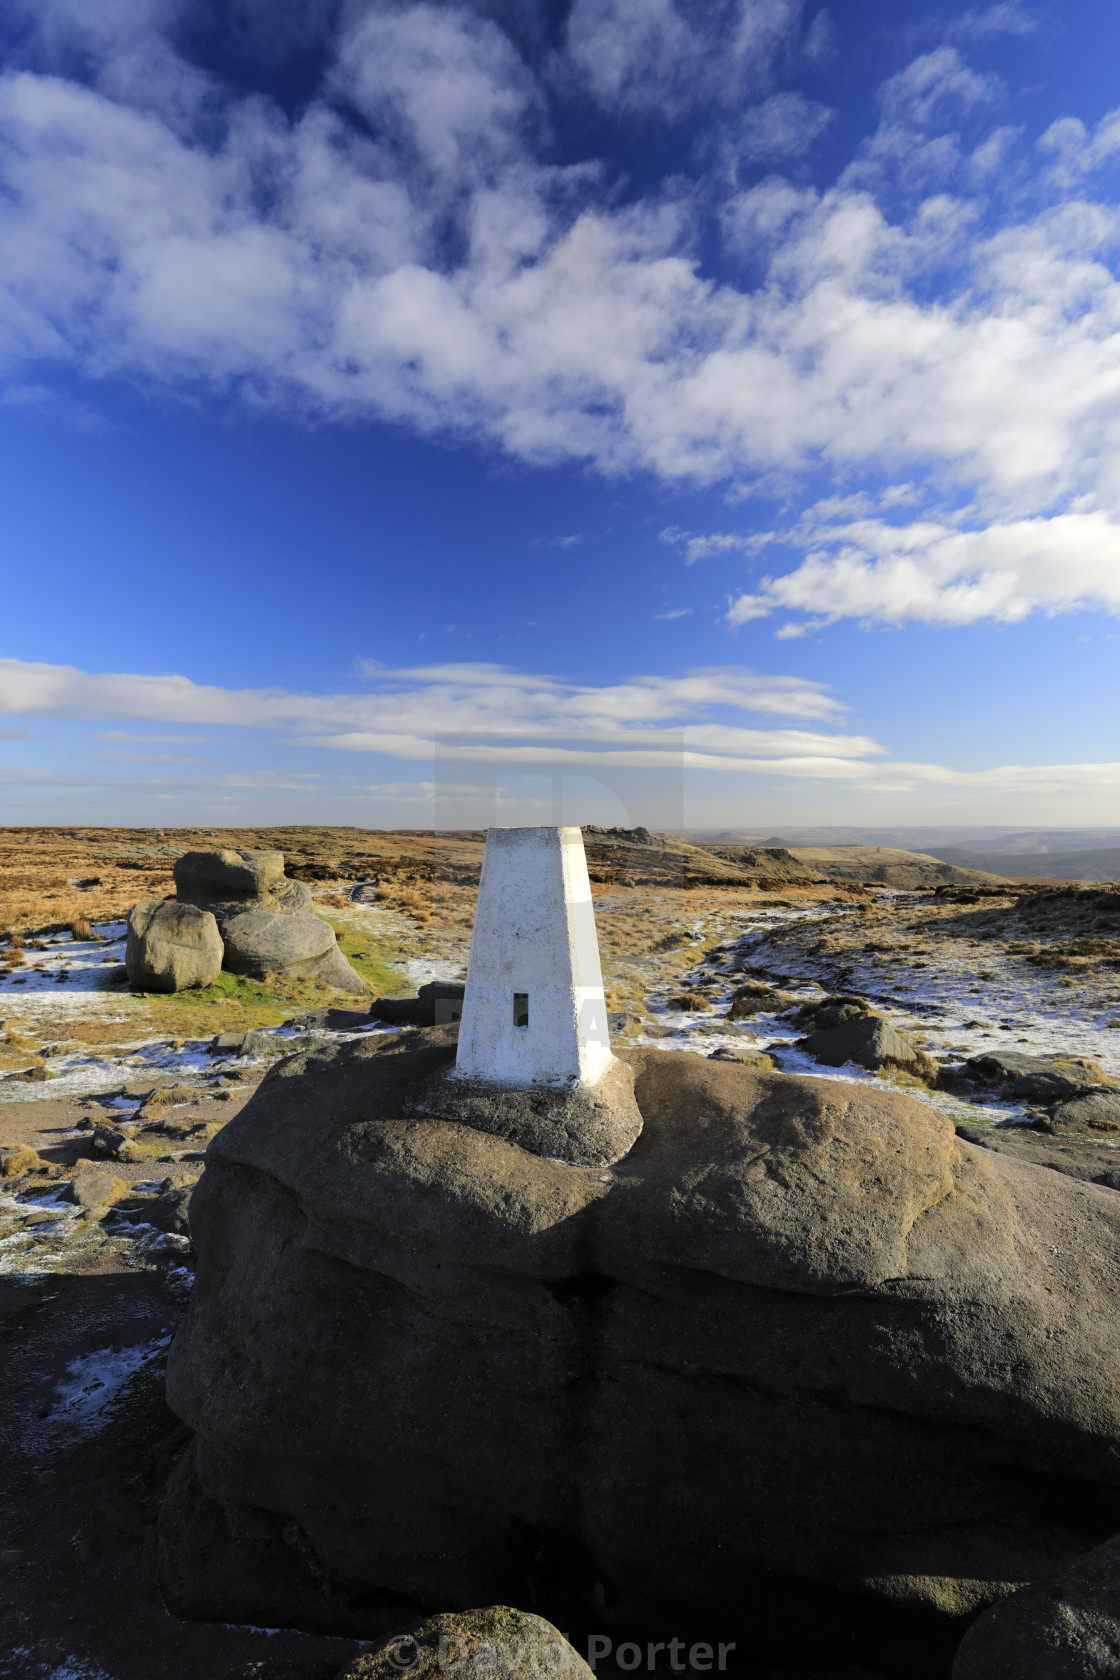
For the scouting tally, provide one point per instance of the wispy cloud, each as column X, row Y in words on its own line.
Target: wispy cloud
column 516, row 722
column 985, row 22
column 402, row 712
column 124, row 737
column 147, row 758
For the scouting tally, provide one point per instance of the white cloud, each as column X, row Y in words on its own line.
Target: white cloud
column 522, row 726
column 718, row 542
column 785, row 125
column 404, row 711
column 935, row 574
column 124, row 737
column 407, row 247
column 1005, row 18
column 655, row 57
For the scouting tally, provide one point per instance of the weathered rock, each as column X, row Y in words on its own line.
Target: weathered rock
column 833, row 1012
column 17, row 1159
column 171, row 1210
column 260, row 942
column 108, row 1141
column 1067, row 1628
column 1097, row 1113
column 1081, row 1157
column 92, row 1189
column 867, row 1040
column 333, row 1020
column 31, row 1076
column 223, row 874
column 437, row 1004
column 591, row 1127
column 246, row 1044
column 801, row 1346
column 1039, row 1079
column 228, row 883
column 746, row 1057
column 226, row 1044
column 497, row 1643
column 333, row 970
column 294, row 896
column 172, row 946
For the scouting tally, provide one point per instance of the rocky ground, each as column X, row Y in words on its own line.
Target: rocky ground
column 108, row 1099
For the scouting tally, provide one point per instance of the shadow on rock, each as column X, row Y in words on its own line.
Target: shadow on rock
column 802, row 1369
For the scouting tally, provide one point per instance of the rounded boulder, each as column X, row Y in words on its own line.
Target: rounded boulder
column 260, row 942
column 171, row 946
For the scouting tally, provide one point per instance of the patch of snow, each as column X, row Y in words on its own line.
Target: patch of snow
column 92, row 1382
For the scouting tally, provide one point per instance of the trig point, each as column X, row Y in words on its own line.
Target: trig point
column 533, row 1008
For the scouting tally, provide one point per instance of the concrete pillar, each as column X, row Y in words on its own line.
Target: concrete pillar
column 533, row 1007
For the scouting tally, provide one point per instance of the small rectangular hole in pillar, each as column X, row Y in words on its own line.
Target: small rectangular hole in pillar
column 521, row 1009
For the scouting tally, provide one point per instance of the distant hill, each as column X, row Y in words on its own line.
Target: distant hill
column 930, row 841
column 889, row 866
column 1103, row 864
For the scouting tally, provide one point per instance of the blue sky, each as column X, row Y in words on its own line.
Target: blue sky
column 715, row 406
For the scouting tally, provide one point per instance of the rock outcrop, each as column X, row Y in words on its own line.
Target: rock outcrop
column 1081, row 1155
column 800, row 1359
column 1063, row 1629
column 869, row 1042
column 1037, row 1079
column 229, row 883
column 171, row 947
column 1096, row 1114
column 245, row 915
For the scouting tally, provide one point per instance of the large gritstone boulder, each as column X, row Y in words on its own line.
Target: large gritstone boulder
column 801, row 1362
column 171, row 946
column 260, row 942
column 264, row 918
column 227, row 874
column 228, row 883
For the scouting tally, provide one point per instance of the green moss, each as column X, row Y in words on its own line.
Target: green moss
column 360, row 953
column 234, row 1002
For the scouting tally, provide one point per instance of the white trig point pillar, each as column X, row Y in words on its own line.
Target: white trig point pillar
column 533, row 1007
